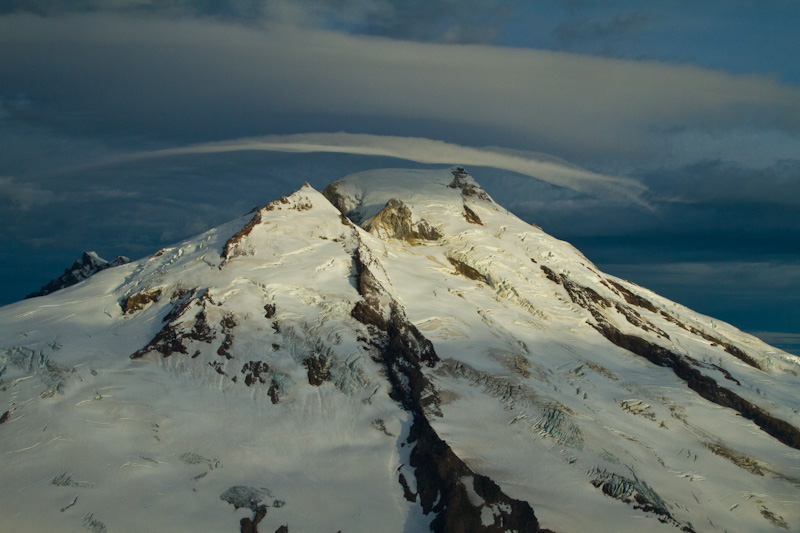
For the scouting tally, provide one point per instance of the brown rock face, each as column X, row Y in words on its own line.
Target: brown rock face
column 466, row 270
column 395, row 221
column 140, row 300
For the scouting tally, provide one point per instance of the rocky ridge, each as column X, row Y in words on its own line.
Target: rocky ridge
column 84, row 267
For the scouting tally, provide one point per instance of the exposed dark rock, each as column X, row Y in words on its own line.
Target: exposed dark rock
column 319, row 369
column 703, row 385
column 180, row 306
column 633, row 317
column 231, row 248
column 739, row 354
column 216, row 365
column 171, row 338
column 250, row 525
column 408, row 494
column 332, row 194
column 224, row 348
column 684, row 367
column 299, row 204
column 277, row 204
column 282, row 529
column 727, row 375
column 471, row 216
column 380, row 425
column 469, row 188
column 201, row 331
column 256, row 372
column 269, row 310
column 740, row 460
column 774, row 519
column 166, row 342
column 140, row 300
column 274, row 393
column 731, row 349
column 5, row 417
column 633, row 299
column 64, row 479
column 466, row 270
column 441, row 475
column 86, row 266
column 395, row 220
column 227, row 324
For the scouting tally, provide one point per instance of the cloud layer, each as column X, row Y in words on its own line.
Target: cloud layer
column 200, row 77
column 420, row 150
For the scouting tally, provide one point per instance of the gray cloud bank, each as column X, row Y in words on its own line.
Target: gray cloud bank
column 199, row 77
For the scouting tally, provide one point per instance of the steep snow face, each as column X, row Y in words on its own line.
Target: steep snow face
column 396, row 353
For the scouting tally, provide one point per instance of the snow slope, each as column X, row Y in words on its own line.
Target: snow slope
column 396, row 353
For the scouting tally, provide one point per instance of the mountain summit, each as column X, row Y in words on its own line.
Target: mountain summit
column 87, row 265
column 394, row 353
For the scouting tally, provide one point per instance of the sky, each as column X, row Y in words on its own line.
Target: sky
column 661, row 138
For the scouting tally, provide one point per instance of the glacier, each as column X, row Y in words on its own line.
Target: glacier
column 396, row 352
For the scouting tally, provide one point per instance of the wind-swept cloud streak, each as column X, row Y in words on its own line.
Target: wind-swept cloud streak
column 420, row 150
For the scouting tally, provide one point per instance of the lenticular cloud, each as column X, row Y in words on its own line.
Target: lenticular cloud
column 421, row 150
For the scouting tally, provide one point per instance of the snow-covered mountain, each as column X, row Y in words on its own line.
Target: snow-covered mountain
column 395, row 353
column 84, row 267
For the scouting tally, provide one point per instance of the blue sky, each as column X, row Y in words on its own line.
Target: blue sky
column 661, row 138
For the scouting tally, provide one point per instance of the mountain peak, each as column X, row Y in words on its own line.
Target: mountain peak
column 396, row 350
column 412, row 205
column 87, row 265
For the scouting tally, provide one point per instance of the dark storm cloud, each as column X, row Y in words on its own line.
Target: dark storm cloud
column 453, row 21
column 723, row 182
column 620, row 25
column 21, row 196
column 211, row 79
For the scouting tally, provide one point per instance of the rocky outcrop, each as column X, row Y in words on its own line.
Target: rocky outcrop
column 176, row 332
column 469, row 187
column 466, row 270
column 471, row 216
column 338, row 200
column 84, row 267
column 396, row 221
column 232, row 246
column 138, row 301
